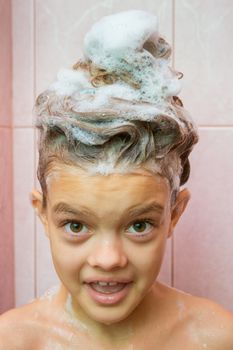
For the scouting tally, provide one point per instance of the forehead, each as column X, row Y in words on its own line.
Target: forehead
column 71, row 185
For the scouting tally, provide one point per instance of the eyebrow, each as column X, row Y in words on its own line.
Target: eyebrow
column 64, row 208
column 154, row 206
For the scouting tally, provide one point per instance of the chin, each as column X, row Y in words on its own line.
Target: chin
column 109, row 315
column 106, row 318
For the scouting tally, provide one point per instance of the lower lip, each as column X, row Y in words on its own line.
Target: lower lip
column 110, row 298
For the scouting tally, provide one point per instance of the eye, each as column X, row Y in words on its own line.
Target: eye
column 140, row 228
column 75, row 228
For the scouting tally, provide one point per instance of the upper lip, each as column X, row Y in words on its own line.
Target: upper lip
column 108, row 279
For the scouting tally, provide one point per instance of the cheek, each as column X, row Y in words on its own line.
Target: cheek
column 149, row 258
column 67, row 259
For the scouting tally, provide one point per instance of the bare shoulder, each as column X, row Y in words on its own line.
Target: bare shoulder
column 19, row 328
column 214, row 324
column 208, row 323
column 42, row 324
column 199, row 322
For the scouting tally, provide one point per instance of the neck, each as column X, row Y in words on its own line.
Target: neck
column 122, row 331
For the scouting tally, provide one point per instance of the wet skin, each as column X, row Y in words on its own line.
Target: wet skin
column 107, row 244
column 113, row 228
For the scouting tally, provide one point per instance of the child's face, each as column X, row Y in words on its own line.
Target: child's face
column 107, row 228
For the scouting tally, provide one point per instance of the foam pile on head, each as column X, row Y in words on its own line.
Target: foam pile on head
column 128, row 43
column 118, row 105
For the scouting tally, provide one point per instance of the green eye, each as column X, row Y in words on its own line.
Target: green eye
column 75, row 228
column 141, row 227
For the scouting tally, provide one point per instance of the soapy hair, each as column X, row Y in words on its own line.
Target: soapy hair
column 85, row 120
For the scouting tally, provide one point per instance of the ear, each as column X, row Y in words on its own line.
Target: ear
column 178, row 209
column 37, row 203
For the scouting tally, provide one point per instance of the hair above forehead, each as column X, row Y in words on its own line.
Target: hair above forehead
column 118, row 106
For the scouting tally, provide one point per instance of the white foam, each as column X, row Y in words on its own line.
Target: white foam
column 119, row 32
column 74, row 320
column 69, row 81
column 108, row 167
column 116, row 44
column 50, row 293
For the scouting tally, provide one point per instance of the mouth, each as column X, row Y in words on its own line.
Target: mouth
column 108, row 292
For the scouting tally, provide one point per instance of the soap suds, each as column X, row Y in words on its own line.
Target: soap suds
column 136, row 42
column 122, row 95
column 136, row 51
column 51, row 345
column 69, row 81
column 73, row 318
column 50, row 293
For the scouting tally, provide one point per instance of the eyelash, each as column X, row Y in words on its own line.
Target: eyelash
column 146, row 220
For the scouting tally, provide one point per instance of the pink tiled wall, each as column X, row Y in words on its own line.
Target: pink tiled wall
column 203, row 244
column 6, row 204
column 47, row 35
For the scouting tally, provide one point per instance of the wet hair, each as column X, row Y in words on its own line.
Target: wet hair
column 114, row 112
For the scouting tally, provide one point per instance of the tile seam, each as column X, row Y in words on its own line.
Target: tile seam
column 173, row 66
column 34, row 141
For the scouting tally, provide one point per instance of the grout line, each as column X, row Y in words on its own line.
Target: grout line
column 13, row 154
column 34, row 146
column 203, row 126
column 12, row 151
column 22, row 126
column 173, row 66
column 173, row 34
column 5, row 127
column 11, row 65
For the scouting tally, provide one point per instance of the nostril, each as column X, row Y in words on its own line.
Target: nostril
column 108, row 260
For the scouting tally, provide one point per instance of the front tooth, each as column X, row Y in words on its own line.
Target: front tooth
column 102, row 283
column 112, row 283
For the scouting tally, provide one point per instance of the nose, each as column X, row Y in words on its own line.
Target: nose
column 108, row 254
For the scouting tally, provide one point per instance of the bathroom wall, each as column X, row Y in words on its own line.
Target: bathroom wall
column 6, row 203
column 47, row 35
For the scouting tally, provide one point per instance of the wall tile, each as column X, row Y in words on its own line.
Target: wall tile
column 203, row 241
column 59, row 37
column 5, row 63
column 6, row 219
column 23, row 61
column 204, row 53
column 24, row 227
